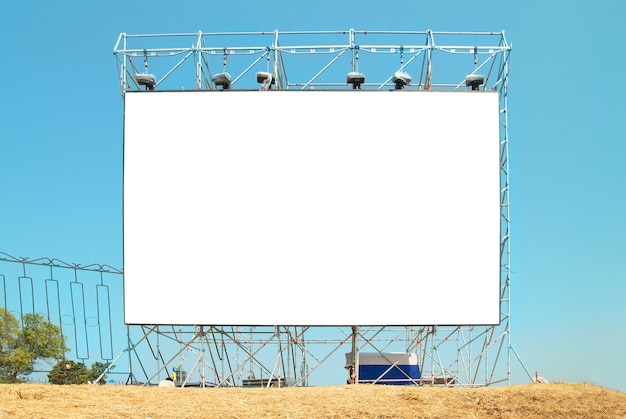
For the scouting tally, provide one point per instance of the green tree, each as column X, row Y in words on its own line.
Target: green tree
column 69, row 372
column 22, row 344
column 97, row 369
column 9, row 329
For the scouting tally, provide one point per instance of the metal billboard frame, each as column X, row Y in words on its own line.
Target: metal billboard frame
column 467, row 356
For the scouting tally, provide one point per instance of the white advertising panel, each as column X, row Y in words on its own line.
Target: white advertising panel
column 311, row 208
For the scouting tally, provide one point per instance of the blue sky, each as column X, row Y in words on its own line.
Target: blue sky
column 61, row 145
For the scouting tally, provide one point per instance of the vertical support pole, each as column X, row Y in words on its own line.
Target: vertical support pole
column 505, row 207
column 275, row 50
column 354, row 53
column 204, row 346
column 129, row 347
column 354, row 374
column 199, row 62
column 429, row 67
column 157, row 358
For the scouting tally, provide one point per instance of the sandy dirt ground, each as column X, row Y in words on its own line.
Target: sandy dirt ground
column 558, row 400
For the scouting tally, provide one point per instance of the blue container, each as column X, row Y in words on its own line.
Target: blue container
column 388, row 368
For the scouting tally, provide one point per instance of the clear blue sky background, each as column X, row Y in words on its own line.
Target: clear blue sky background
column 61, row 145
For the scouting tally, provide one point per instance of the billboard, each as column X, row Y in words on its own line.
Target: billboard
column 311, row 208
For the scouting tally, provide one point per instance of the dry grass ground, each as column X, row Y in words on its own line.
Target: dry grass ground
column 362, row 401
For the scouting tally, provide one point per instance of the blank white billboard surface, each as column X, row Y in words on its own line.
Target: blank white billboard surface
column 311, row 208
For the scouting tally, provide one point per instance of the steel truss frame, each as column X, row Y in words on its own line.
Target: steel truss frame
column 459, row 355
column 289, row 355
column 442, row 59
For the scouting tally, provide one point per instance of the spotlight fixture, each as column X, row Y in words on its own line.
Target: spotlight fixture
column 401, row 79
column 145, row 79
column 262, row 76
column 475, row 81
column 266, row 79
column 356, row 79
column 221, row 80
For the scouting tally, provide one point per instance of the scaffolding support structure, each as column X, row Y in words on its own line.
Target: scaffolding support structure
column 307, row 60
column 210, row 355
column 442, row 60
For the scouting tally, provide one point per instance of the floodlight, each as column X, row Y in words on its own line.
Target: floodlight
column 221, row 80
column 262, row 76
column 474, row 80
column 266, row 79
column 401, row 79
column 355, row 79
column 145, row 79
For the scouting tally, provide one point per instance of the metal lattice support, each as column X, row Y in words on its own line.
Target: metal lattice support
column 384, row 59
column 353, row 59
